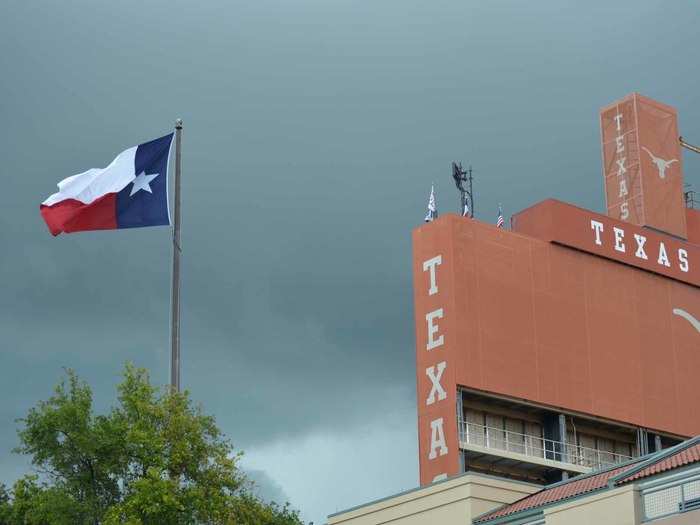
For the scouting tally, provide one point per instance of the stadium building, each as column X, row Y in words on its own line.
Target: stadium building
column 557, row 361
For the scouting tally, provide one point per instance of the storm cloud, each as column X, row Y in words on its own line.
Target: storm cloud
column 312, row 133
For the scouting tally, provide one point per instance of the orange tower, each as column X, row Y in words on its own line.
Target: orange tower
column 572, row 341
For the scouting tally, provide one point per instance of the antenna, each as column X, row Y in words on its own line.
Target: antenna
column 689, row 146
column 689, row 196
column 466, row 193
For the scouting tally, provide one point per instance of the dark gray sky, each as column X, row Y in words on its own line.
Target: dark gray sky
column 313, row 130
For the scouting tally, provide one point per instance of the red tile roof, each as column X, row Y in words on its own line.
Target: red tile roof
column 558, row 492
column 681, row 458
column 682, row 454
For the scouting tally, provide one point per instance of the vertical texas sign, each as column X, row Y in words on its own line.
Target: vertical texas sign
column 642, row 165
column 433, row 284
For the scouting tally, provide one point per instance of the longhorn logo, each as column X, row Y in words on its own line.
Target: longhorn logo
column 688, row 317
column 661, row 164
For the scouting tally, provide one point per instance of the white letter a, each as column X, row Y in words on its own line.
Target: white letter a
column 437, row 439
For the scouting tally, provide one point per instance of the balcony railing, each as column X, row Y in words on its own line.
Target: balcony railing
column 536, row 446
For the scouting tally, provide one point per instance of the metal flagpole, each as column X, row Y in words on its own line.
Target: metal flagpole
column 175, row 294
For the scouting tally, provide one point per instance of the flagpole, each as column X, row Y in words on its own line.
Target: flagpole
column 175, row 291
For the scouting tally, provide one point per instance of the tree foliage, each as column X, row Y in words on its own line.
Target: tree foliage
column 154, row 458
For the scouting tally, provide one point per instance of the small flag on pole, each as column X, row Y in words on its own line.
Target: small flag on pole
column 432, row 207
column 131, row 192
column 500, row 221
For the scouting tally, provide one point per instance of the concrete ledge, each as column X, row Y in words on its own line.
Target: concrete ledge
column 454, row 500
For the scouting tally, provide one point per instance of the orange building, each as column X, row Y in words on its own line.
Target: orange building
column 572, row 341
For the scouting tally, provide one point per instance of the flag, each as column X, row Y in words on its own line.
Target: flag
column 131, row 192
column 499, row 221
column 432, row 207
column 465, row 211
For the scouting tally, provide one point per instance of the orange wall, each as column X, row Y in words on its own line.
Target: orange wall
column 693, row 221
column 562, row 223
column 532, row 319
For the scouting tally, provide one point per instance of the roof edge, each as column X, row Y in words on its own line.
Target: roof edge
column 520, row 515
column 423, row 487
column 554, row 485
column 536, row 510
column 653, row 458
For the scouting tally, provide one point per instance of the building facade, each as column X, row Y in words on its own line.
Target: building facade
column 569, row 342
column 662, row 488
column 563, row 349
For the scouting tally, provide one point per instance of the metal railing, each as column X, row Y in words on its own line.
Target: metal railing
column 536, row 446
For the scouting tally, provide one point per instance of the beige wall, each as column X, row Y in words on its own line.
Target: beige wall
column 451, row 502
column 619, row 506
column 686, row 518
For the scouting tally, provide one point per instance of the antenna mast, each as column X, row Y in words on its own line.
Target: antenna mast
column 689, row 146
column 688, row 194
column 463, row 181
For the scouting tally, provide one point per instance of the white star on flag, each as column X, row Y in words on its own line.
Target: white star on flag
column 142, row 182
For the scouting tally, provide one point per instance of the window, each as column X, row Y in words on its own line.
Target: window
column 501, row 432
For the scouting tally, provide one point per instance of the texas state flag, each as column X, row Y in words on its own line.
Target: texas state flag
column 129, row 193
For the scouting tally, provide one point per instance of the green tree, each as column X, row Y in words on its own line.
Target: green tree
column 154, row 458
column 5, row 505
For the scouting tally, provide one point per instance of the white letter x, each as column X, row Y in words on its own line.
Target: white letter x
column 437, row 387
column 621, row 170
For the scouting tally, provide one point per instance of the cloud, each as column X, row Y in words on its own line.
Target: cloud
column 265, row 487
column 313, row 131
column 330, row 470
